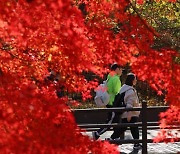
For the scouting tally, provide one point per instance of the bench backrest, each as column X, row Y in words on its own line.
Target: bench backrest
column 87, row 116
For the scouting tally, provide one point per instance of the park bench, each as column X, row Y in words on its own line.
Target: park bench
column 93, row 119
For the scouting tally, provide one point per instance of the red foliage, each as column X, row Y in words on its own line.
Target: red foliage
column 38, row 35
column 169, row 119
column 34, row 120
column 160, row 70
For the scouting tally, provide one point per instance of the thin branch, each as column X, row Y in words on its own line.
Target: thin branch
column 144, row 23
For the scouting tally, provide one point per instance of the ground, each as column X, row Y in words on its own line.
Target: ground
column 153, row 148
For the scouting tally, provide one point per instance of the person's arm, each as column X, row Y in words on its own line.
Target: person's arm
column 129, row 98
column 116, row 86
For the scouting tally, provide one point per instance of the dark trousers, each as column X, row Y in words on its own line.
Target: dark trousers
column 120, row 130
column 112, row 117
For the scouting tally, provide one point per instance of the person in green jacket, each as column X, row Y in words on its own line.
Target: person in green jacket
column 113, row 85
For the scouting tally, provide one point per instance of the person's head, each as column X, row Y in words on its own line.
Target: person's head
column 131, row 79
column 117, row 68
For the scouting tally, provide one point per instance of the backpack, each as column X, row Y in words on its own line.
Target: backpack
column 119, row 99
column 102, row 97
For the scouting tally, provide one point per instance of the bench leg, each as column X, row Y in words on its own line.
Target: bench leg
column 122, row 136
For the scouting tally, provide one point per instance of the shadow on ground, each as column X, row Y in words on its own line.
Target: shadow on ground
column 133, row 152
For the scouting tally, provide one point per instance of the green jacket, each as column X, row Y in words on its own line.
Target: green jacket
column 113, row 85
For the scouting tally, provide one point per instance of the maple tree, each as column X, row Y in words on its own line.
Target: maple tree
column 41, row 35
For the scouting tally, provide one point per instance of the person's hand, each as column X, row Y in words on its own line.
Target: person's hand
column 128, row 118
